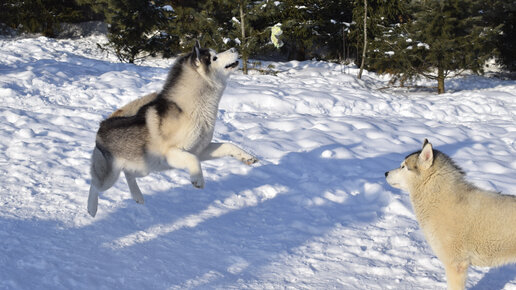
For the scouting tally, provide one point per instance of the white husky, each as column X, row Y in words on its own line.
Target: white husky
column 463, row 224
column 169, row 129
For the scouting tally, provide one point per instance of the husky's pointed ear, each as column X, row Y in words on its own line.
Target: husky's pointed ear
column 196, row 49
column 425, row 142
column 196, row 54
column 426, row 157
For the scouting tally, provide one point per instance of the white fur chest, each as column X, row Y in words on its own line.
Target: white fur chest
column 201, row 125
column 199, row 137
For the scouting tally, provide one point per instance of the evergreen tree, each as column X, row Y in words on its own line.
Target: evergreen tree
column 391, row 46
column 259, row 18
column 262, row 16
column 383, row 18
column 136, row 26
column 42, row 16
column 184, row 27
column 392, row 53
column 211, row 22
column 433, row 38
column 226, row 30
column 310, row 29
column 218, row 15
column 205, row 21
column 299, row 26
column 450, row 36
column 335, row 19
column 503, row 12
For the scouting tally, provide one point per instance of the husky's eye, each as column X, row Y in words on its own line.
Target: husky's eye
column 402, row 166
column 214, row 58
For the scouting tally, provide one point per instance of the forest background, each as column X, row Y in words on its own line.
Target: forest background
column 406, row 39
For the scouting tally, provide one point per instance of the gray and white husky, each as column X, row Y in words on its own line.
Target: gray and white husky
column 169, row 129
column 463, row 224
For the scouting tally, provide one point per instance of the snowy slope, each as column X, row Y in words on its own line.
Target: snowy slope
column 314, row 213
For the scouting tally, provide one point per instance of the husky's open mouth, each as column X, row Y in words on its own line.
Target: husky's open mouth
column 232, row 65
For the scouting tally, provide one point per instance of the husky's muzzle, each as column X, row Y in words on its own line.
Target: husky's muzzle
column 232, row 65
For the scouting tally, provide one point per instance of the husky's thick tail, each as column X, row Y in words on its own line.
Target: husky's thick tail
column 103, row 176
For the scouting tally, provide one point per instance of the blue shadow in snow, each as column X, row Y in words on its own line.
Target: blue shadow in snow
column 215, row 250
column 496, row 278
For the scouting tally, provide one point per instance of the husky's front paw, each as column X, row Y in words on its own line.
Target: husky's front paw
column 197, row 181
column 249, row 160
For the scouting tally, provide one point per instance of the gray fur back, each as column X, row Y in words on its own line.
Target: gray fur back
column 124, row 137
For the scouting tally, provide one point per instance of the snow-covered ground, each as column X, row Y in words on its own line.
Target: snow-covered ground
column 314, row 213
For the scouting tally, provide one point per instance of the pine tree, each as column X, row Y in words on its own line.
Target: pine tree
column 432, row 38
column 382, row 17
column 450, row 36
column 329, row 19
column 390, row 46
column 503, row 12
column 392, row 53
column 357, row 29
column 310, row 28
column 136, row 26
column 183, row 29
column 218, row 23
column 42, row 16
column 298, row 23
column 335, row 18
column 260, row 17
column 254, row 38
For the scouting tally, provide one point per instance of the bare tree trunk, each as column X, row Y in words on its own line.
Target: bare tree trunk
column 344, row 42
column 440, row 80
column 357, row 46
column 365, row 41
column 243, row 41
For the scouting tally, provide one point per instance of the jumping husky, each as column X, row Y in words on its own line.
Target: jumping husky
column 463, row 224
column 169, row 129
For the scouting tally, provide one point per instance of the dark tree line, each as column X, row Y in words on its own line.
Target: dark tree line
column 405, row 38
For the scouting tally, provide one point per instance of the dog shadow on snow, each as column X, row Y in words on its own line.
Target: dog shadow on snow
column 240, row 226
column 496, row 278
column 244, row 223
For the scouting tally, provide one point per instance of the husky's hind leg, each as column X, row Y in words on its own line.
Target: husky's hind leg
column 93, row 201
column 103, row 176
column 178, row 158
column 97, row 187
column 133, row 187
